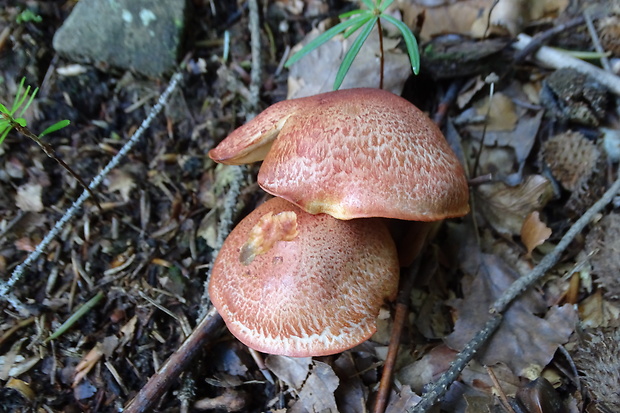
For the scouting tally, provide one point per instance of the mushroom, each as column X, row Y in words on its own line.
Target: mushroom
column 352, row 153
column 292, row 283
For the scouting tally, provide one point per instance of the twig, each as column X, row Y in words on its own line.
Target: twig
column 440, row 387
column 400, row 316
column 51, row 153
column 557, row 59
column 543, row 37
column 19, row 270
column 176, row 364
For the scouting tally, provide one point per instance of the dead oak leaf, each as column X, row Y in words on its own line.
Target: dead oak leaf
column 525, row 341
column 534, row 232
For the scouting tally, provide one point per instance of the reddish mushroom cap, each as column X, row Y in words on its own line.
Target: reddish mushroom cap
column 291, row 283
column 354, row 153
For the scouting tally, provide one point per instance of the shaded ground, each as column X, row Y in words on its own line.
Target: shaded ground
column 149, row 248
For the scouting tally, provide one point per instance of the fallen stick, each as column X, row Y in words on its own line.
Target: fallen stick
column 557, row 59
column 176, row 364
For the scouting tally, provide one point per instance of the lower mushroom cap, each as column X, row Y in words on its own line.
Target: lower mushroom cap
column 318, row 293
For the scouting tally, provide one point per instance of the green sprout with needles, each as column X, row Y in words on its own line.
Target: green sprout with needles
column 13, row 119
column 365, row 21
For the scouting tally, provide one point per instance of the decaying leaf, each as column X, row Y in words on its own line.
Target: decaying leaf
column 402, row 401
column 525, row 341
column 317, row 393
column 291, row 370
column 501, row 112
column 28, row 198
column 534, row 232
column 507, row 207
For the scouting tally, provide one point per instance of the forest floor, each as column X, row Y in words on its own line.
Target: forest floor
column 538, row 154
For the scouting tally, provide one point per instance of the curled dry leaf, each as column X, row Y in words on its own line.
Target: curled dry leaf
column 506, row 207
column 502, row 115
column 534, row 232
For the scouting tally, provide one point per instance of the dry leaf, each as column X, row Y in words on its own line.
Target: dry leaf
column 525, row 341
column 501, row 112
column 291, row 370
column 505, row 207
column 121, row 181
column 351, row 394
column 29, row 197
column 402, row 401
column 317, row 393
column 534, row 232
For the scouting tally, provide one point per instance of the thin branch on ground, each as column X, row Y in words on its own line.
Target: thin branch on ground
column 6, row 286
column 176, row 364
column 543, row 37
column 557, row 59
column 440, row 387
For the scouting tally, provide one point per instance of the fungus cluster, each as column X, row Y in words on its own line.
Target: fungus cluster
column 306, row 273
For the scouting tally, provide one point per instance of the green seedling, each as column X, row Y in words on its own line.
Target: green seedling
column 13, row 119
column 27, row 16
column 365, row 21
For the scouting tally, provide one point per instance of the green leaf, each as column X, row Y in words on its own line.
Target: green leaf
column 410, row 42
column 3, row 109
column 369, row 4
column 356, row 27
column 56, row 126
column 352, row 53
column 385, row 5
column 27, row 105
column 4, row 133
column 352, row 13
column 21, row 122
column 340, row 27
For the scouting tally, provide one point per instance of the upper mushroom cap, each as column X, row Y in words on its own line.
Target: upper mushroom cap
column 291, row 283
column 353, row 153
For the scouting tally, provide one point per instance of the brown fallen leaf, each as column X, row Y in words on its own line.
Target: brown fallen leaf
column 291, row 370
column 534, row 232
column 525, row 341
column 506, row 207
column 317, row 393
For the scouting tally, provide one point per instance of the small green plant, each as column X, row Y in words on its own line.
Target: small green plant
column 13, row 119
column 364, row 20
column 27, row 16
column 10, row 118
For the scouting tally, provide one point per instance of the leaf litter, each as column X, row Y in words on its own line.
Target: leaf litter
column 152, row 245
